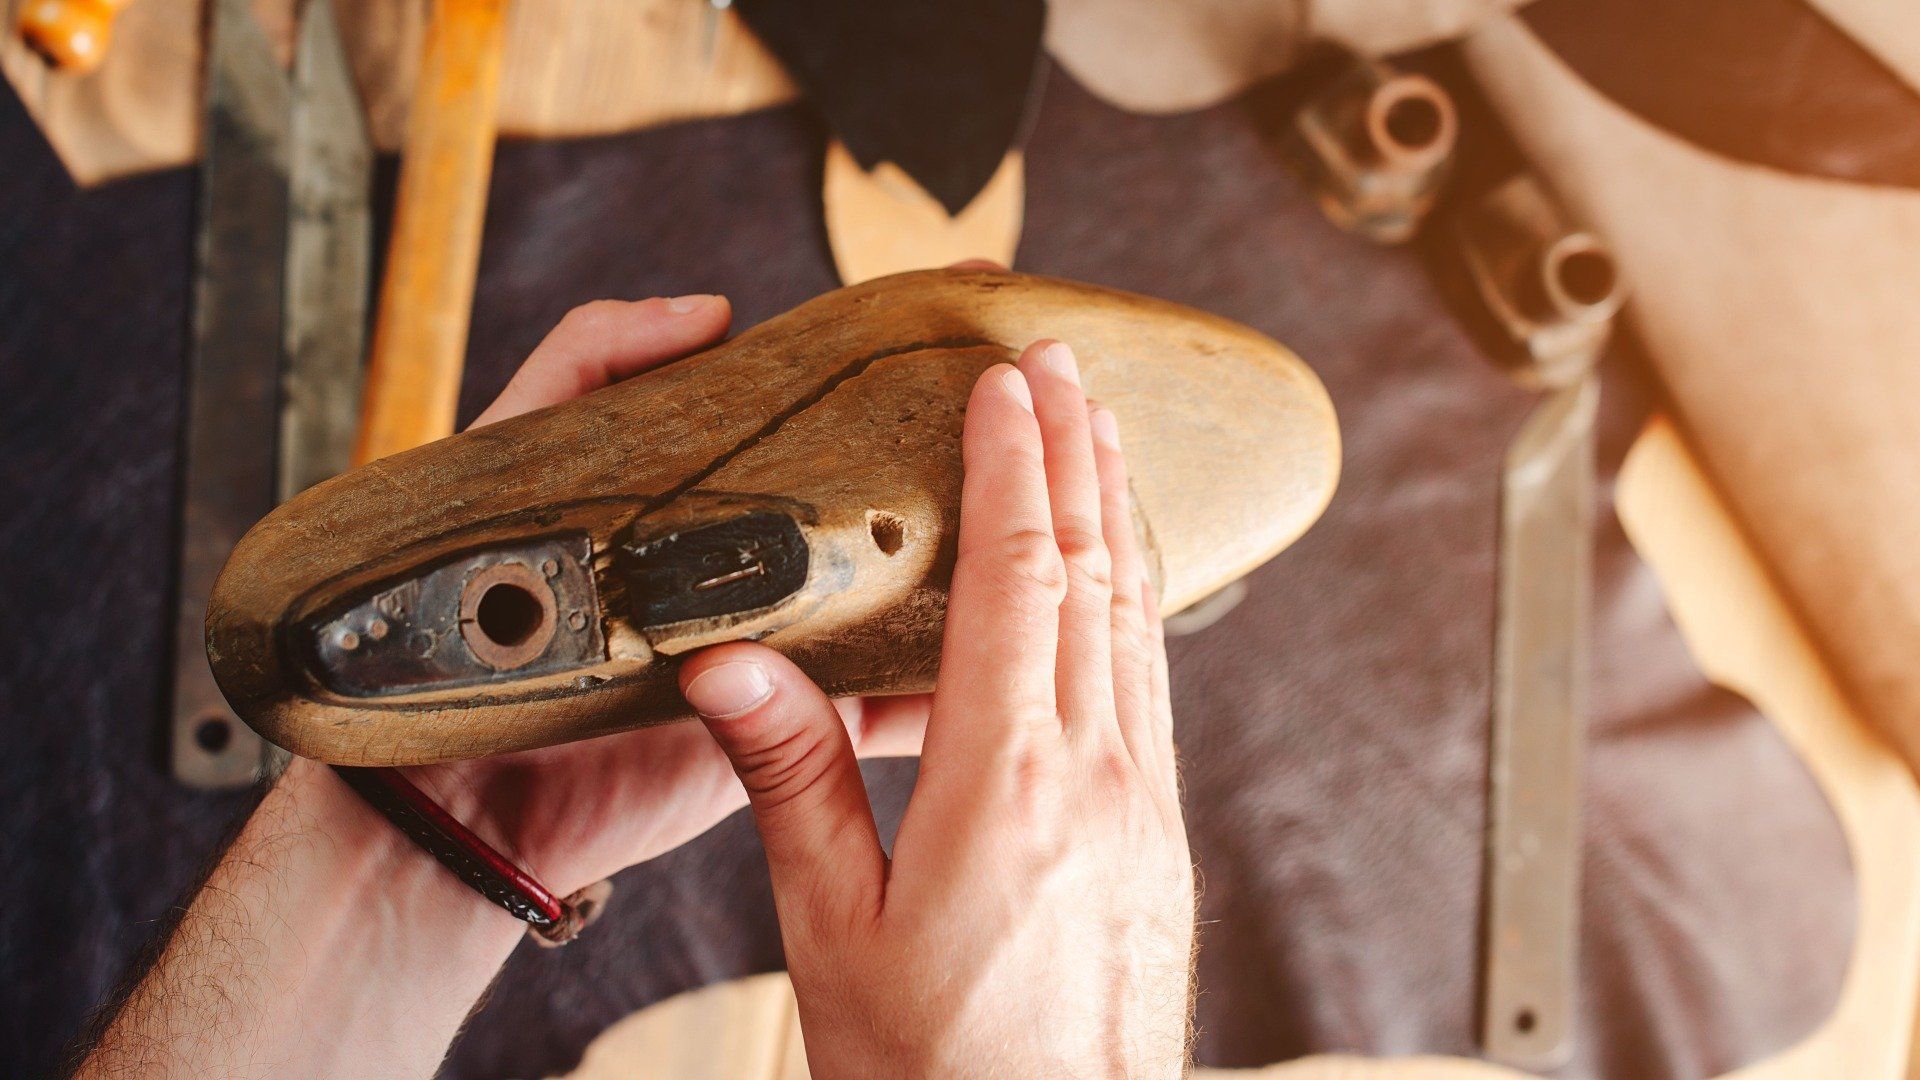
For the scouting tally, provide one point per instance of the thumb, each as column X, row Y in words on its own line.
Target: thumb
column 791, row 751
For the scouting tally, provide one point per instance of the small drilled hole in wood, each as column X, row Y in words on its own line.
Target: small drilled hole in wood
column 889, row 531
column 1524, row 1021
column 213, row 734
column 509, row 614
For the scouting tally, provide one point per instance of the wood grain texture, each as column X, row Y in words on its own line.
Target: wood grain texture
column 1780, row 313
column 420, row 327
column 847, row 407
column 1743, row 632
column 571, row 67
column 881, row 222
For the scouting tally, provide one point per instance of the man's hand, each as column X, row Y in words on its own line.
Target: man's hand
column 1037, row 918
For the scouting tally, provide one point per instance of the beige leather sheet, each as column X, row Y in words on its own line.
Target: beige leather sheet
column 1783, row 313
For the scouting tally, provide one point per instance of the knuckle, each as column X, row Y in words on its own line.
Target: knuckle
column 1036, row 787
column 783, row 768
column 592, row 317
column 1085, row 552
column 1129, row 613
column 1031, row 565
column 1112, row 776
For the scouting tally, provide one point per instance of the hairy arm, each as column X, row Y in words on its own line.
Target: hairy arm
column 323, row 944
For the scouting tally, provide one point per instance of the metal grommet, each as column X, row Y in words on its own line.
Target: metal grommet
column 508, row 615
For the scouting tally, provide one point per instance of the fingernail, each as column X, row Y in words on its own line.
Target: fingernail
column 1105, row 427
column 729, row 689
column 1017, row 386
column 1060, row 359
column 685, row 305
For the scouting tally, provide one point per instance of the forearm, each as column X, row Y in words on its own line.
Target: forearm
column 323, row 944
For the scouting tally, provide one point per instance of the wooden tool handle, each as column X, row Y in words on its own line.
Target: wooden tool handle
column 71, row 34
column 420, row 332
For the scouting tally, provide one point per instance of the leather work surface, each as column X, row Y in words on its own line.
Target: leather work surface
column 1333, row 726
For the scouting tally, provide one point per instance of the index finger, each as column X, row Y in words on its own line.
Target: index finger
column 1003, row 612
column 600, row 343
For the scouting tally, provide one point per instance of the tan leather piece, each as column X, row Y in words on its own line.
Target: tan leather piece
column 1381, row 27
column 1781, row 312
column 572, row 67
column 882, row 222
column 1744, row 635
column 1152, row 56
column 1885, row 28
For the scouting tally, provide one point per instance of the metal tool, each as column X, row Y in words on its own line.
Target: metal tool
column 233, row 377
column 329, row 243
column 1551, row 287
column 284, row 231
column 1552, row 290
column 1376, row 145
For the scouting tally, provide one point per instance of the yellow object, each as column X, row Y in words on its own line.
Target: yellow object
column 71, row 34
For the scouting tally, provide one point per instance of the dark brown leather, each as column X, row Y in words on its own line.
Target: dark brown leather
column 1765, row 81
column 1333, row 726
column 941, row 90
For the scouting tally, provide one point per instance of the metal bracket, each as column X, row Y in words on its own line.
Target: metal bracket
column 505, row 613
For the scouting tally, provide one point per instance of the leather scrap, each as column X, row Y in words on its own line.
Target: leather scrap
column 941, row 90
column 1770, row 82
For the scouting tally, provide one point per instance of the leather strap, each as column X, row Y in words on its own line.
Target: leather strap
column 473, row 860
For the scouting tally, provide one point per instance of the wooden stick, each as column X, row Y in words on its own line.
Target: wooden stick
column 420, row 332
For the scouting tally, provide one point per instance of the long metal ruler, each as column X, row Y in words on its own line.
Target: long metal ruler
column 278, row 327
column 233, row 388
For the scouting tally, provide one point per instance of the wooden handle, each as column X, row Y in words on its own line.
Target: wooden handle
column 420, row 332
column 71, row 34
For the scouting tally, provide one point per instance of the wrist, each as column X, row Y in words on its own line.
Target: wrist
column 359, row 957
column 382, row 880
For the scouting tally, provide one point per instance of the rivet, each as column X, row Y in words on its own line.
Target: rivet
column 577, row 620
column 550, row 568
column 348, row 640
column 377, row 629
